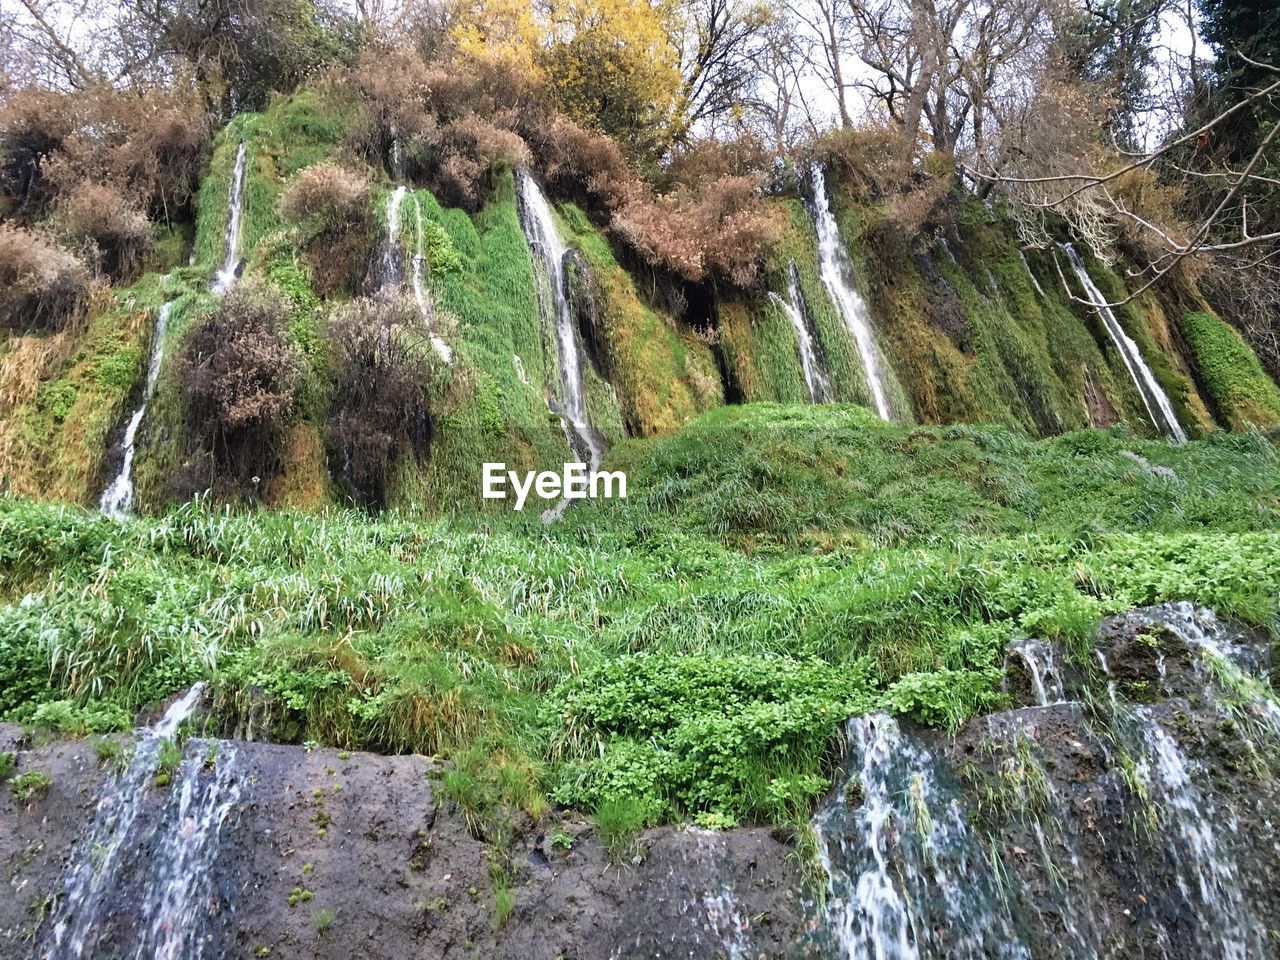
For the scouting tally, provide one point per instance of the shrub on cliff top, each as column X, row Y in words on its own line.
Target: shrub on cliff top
column 118, row 234
column 326, row 197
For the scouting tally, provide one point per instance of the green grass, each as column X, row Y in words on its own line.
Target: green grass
column 688, row 652
column 30, row 785
column 1234, row 380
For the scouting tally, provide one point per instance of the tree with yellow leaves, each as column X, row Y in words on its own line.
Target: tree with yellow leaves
column 614, row 65
column 502, row 34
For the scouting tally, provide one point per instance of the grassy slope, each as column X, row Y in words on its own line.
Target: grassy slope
column 1234, row 380
column 689, row 651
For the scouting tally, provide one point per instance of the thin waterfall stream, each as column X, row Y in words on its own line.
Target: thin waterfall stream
column 549, row 253
column 229, row 273
column 117, row 498
column 816, row 380
column 1159, row 409
column 837, row 276
column 393, row 267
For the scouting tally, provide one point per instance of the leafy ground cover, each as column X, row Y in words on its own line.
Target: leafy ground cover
column 687, row 653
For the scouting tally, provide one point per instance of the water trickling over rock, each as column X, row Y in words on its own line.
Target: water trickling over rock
column 549, row 253
column 117, row 498
column 906, row 878
column 392, row 267
column 1036, row 660
column 226, row 277
column 143, row 883
column 1034, row 282
column 1159, row 409
column 837, row 276
column 816, row 381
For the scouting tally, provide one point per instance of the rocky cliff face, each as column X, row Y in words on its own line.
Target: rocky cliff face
column 1124, row 810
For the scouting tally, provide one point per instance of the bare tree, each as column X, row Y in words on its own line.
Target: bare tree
column 778, row 103
column 1092, row 195
column 825, row 27
column 719, row 50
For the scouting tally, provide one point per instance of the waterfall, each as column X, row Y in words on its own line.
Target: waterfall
column 1034, row 282
column 144, row 877
column 393, row 268
column 419, row 291
column 816, row 381
column 837, row 275
column 540, row 231
column 1207, row 877
column 226, row 278
column 1041, row 668
column 117, row 498
column 946, row 248
column 905, row 877
column 1159, row 409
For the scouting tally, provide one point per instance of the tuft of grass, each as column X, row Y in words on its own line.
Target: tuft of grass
column 168, row 762
column 28, row 786
column 323, row 921
column 618, row 821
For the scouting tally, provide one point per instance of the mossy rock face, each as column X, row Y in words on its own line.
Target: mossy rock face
column 977, row 332
column 1233, row 379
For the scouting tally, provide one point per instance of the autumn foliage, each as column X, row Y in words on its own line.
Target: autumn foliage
column 239, row 376
column 41, row 286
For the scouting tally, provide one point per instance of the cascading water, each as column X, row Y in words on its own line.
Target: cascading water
column 1159, row 409
column 837, row 276
column 816, row 381
column 905, row 877
column 226, row 278
column 419, row 290
column 117, row 498
column 1034, row 282
column 393, row 268
column 1207, row 876
column 143, row 883
column 1041, row 668
column 549, row 252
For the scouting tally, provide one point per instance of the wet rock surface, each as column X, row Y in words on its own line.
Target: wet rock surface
column 336, row 855
column 1127, row 811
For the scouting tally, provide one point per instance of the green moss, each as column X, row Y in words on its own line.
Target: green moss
column 663, row 376
column 61, row 438
column 1240, row 390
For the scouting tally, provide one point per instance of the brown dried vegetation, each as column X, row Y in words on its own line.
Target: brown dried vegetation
column 381, row 368
column 239, row 376
column 42, row 287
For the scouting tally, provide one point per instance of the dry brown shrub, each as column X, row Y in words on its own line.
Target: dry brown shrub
column 33, row 125
column 583, row 163
column 240, row 374
column 381, row 367
column 41, row 285
column 150, row 146
column 118, row 234
column 472, row 152
column 721, row 231
column 327, row 198
column 866, row 159
column 706, row 160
